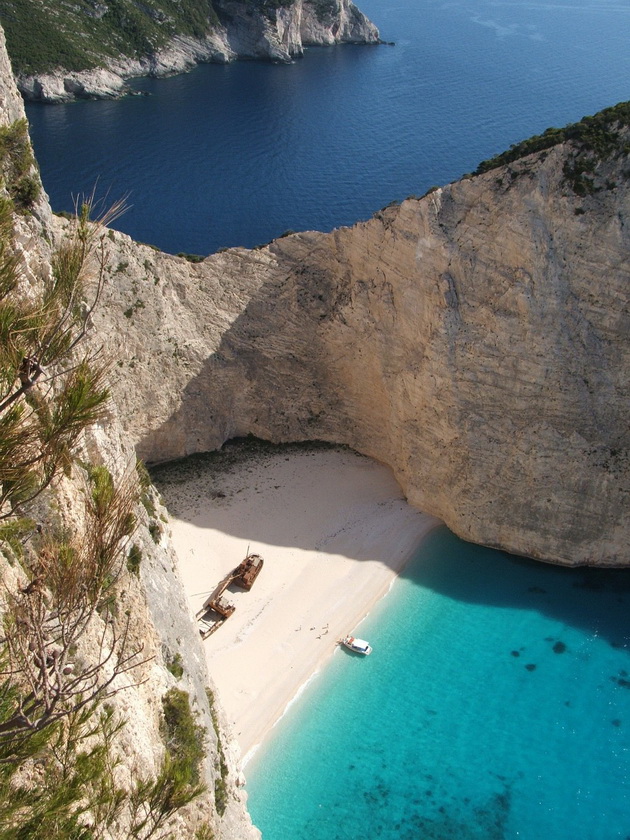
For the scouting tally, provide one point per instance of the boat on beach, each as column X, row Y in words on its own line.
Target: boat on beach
column 216, row 608
column 245, row 574
column 356, row 645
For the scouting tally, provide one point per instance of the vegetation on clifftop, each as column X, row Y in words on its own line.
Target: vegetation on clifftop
column 83, row 34
column 78, row 35
column 597, row 135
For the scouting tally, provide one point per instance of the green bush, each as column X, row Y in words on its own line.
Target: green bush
column 143, row 475
column 183, row 737
column 175, row 665
column 17, row 165
column 45, row 35
column 13, row 533
column 134, row 558
column 597, row 135
column 220, row 783
column 324, row 9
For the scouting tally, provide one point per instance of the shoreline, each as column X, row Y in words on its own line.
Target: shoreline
column 334, row 531
column 245, row 34
column 323, row 663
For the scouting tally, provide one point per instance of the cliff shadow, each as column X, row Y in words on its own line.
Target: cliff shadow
column 271, row 374
column 593, row 600
column 279, row 371
column 312, row 496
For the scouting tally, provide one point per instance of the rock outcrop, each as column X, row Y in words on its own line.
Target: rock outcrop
column 246, row 31
column 476, row 340
column 282, row 35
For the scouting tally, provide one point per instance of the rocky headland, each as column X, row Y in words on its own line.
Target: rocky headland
column 237, row 29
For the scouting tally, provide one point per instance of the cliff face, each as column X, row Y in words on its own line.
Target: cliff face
column 243, row 30
column 282, row 34
column 475, row 340
column 150, row 601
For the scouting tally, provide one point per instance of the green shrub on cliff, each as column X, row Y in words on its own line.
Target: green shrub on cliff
column 269, row 7
column 325, row 9
column 58, row 753
column 178, row 782
column 596, row 135
column 17, row 165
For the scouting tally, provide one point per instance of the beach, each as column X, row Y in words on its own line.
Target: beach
column 334, row 530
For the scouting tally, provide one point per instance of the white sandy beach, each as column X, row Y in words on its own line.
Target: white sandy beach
column 333, row 529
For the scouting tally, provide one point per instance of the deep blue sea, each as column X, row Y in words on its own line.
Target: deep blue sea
column 235, row 155
column 496, row 703
column 495, row 706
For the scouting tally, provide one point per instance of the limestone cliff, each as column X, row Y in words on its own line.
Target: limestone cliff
column 149, row 606
column 272, row 30
column 282, row 34
column 476, row 340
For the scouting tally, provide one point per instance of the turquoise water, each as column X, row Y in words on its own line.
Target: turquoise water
column 238, row 154
column 495, row 705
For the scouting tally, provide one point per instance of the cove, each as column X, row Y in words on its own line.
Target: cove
column 494, row 706
column 495, row 702
column 238, row 154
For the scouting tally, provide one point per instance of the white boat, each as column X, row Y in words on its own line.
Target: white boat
column 357, row 645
